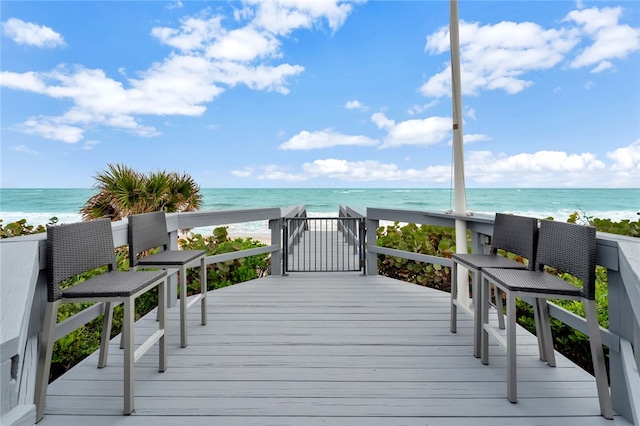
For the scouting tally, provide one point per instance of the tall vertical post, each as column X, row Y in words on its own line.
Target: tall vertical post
column 458, row 151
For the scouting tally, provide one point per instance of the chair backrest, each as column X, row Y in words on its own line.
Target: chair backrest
column 516, row 234
column 146, row 231
column 570, row 248
column 76, row 248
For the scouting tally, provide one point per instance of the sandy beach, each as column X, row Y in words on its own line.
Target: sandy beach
column 263, row 238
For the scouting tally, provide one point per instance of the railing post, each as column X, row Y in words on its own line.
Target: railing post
column 372, row 241
column 621, row 323
column 285, row 246
column 276, row 225
column 172, row 279
column 361, row 245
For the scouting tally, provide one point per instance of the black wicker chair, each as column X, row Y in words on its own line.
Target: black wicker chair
column 149, row 231
column 81, row 247
column 513, row 234
column 566, row 247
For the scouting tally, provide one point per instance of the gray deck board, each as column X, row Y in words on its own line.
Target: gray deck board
column 325, row 349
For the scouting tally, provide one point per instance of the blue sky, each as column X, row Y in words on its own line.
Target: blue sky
column 294, row 93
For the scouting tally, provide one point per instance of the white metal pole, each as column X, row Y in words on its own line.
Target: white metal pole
column 458, row 150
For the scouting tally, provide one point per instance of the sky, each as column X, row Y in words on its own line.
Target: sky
column 323, row 94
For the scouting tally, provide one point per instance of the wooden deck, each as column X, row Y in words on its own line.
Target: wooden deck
column 326, row 349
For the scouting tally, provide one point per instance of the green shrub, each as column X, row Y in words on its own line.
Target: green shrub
column 424, row 239
column 21, row 227
column 229, row 272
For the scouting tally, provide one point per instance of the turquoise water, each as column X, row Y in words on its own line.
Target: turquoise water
column 38, row 205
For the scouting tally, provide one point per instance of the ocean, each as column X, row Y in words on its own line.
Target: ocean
column 38, row 205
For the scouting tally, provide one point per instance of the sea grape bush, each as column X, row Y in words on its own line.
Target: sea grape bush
column 21, row 227
column 231, row 271
column 423, row 239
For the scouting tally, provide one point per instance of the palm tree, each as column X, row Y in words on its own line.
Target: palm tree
column 123, row 191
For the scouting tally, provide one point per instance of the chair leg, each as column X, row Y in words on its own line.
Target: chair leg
column 107, row 322
column 128, row 338
column 485, row 301
column 454, row 295
column 203, row 290
column 162, row 325
column 545, row 329
column 512, row 379
column 44, row 357
column 597, row 355
column 477, row 313
column 499, row 308
column 540, row 330
column 183, row 307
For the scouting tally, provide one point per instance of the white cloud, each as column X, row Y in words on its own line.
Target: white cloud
column 471, row 138
column 627, row 159
column 244, row 44
column 281, row 17
column 602, row 66
column 207, row 57
column 543, row 168
column 32, row 34
column 261, row 77
column 242, row 173
column 471, row 113
column 175, row 5
column 428, row 131
column 611, row 40
column 89, row 145
column 49, row 128
column 537, row 169
column 273, row 172
column 497, row 56
column 29, row 81
column 418, row 109
column 25, row 150
column 355, row 104
column 325, row 139
column 195, row 33
column 348, row 171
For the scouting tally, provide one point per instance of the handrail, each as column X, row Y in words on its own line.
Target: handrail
column 619, row 254
column 351, row 228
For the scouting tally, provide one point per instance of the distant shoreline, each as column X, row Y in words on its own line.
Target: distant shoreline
column 38, row 205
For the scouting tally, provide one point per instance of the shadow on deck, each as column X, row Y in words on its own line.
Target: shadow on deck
column 326, row 349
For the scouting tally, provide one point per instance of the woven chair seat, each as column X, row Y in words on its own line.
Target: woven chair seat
column 171, row 257
column 113, row 284
column 531, row 282
column 482, row 261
